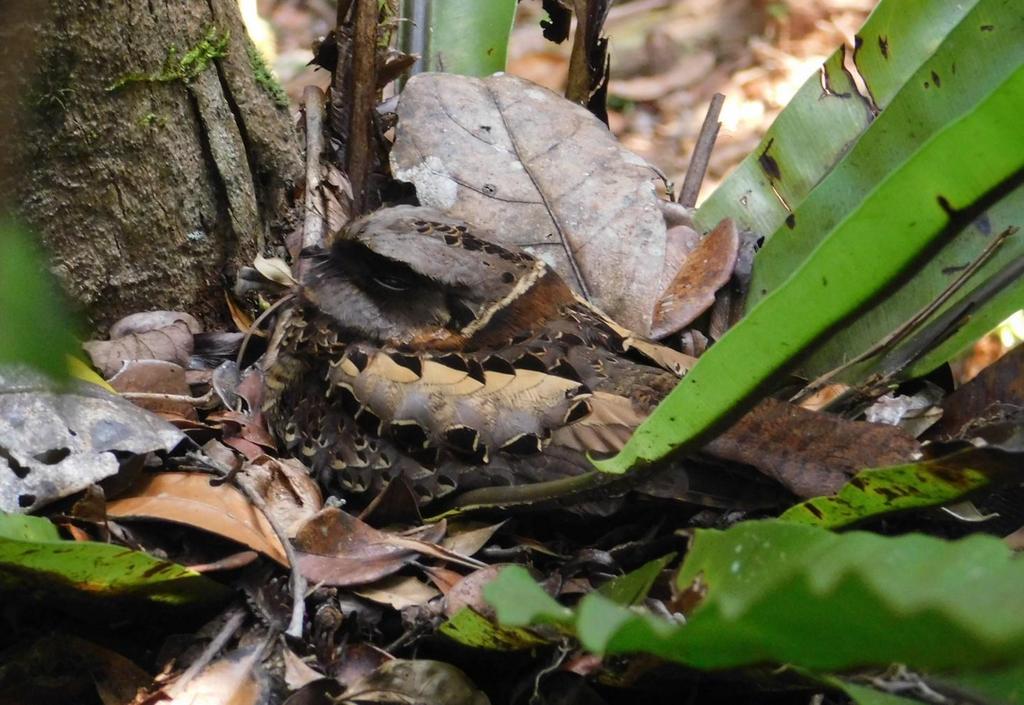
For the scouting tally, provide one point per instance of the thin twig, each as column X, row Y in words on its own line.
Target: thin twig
column 203, row 402
column 313, row 226
column 698, row 166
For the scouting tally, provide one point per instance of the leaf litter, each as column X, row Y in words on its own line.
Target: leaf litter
column 366, row 589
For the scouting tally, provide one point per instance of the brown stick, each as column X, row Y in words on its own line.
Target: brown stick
column 363, row 87
column 698, row 166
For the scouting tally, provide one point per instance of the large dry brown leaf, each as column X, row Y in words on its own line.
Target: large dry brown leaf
column 55, row 443
column 811, row 453
column 541, row 173
column 191, row 499
column 146, row 321
column 172, row 343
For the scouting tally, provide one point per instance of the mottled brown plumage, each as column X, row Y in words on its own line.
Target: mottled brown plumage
column 416, row 346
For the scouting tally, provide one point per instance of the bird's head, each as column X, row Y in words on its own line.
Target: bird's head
column 409, row 277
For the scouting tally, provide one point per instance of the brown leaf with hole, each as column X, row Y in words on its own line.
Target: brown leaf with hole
column 156, row 377
column 291, row 495
column 704, row 271
column 191, row 499
column 811, row 453
column 171, row 343
column 475, row 149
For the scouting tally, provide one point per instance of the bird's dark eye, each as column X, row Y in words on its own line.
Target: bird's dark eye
column 392, row 283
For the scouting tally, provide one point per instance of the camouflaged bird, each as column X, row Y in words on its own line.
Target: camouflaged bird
column 416, row 346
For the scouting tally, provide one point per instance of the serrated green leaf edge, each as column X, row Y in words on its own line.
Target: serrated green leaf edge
column 866, row 252
column 32, row 553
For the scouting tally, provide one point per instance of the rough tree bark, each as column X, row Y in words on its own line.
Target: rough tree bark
column 148, row 194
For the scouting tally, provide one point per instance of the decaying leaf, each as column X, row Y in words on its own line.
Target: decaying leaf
column 54, row 443
column 172, row 343
column 810, row 453
column 419, row 682
column 475, row 149
column 191, row 499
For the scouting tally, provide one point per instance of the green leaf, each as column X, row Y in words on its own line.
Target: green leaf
column 828, row 114
column 631, row 588
column 786, row 593
column 927, row 483
column 928, row 65
column 471, row 628
column 520, row 601
column 468, row 37
column 33, row 555
column 872, row 247
column 1002, row 685
column 34, row 328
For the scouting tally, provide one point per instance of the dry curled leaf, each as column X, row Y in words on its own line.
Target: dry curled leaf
column 54, row 443
column 172, row 343
column 191, row 499
column 705, row 270
column 475, row 149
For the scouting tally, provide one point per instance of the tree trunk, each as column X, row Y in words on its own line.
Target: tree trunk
column 145, row 146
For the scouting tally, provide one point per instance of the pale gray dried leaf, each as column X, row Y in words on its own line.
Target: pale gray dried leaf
column 501, row 150
column 146, row 321
column 419, row 682
column 55, row 443
column 172, row 343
